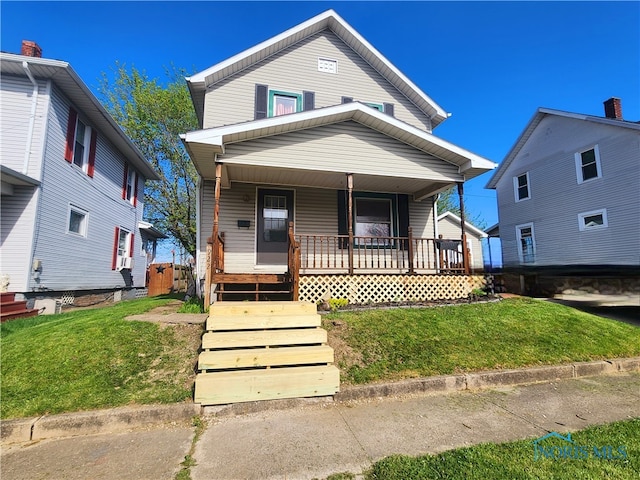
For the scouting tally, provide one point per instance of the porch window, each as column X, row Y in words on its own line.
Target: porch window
column 521, row 187
column 526, row 243
column 283, row 103
column 375, row 215
column 594, row 220
column 588, row 164
column 373, row 218
column 275, row 215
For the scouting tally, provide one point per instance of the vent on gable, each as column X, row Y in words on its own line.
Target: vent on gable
column 327, row 65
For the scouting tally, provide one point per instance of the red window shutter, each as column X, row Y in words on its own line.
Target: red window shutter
column 124, row 182
column 114, row 261
column 135, row 193
column 92, row 153
column 71, row 135
column 132, row 235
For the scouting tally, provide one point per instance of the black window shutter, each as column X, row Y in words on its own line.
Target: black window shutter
column 343, row 228
column 403, row 217
column 347, row 99
column 388, row 108
column 261, row 101
column 308, row 100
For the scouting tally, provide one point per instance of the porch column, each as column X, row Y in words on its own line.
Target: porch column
column 465, row 253
column 350, row 220
column 214, row 240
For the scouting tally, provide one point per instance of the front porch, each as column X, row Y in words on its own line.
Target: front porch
column 363, row 270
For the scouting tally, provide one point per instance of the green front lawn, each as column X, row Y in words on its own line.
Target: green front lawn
column 518, row 459
column 382, row 345
column 94, row 359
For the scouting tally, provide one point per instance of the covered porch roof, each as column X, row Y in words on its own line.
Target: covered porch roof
column 205, row 146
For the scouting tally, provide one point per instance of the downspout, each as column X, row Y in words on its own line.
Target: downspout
column 434, row 210
column 32, row 118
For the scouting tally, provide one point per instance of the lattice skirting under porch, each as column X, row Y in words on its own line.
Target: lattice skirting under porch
column 363, row 289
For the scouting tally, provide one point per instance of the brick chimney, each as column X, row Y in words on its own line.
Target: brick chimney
column 613, row 108
column 31, row 49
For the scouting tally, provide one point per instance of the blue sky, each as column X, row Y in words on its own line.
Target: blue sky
column 490, row 64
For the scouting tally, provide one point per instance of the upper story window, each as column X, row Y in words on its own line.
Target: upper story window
column 588, row 164
column 377, row 106
column 272, row 103
column 283, row 103
column 80, row 149
column 521, row 187
column 130, row 185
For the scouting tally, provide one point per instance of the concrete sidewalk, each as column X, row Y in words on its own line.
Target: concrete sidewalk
column 321, row 438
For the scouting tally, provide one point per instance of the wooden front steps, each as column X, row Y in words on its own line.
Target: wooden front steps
column 252, row 286
column 10, row 308
column 264, row 351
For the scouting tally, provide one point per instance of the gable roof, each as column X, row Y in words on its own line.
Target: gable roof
column 67, row 80
column 215, row 139
column 330, row 20
column 458, row 221
column 540, row 114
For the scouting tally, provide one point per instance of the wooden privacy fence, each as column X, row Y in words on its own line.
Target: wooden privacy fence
column 167, row 278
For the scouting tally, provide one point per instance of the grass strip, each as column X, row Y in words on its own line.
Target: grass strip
column 596, row 453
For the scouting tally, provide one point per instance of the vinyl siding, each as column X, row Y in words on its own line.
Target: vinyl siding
column 343, row 147
column 315, row 212
column 16, row 230
column 451, row 230
column 72, row 262
column 295, row 70
column 16, row 94
column 18, row 211
column 557, row 198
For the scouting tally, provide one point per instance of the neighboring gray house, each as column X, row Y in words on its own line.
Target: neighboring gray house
column 72, row 185
column 449, row 227
column 569, row 201
column 316, row 129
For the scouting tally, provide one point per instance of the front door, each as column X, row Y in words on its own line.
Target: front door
column 275, row 211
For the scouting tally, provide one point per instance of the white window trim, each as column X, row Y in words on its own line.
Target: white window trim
column 83, row 227
column 127, row 247
column 132, row 180
column 515, row 187
column 519, row 228
column 584, row 228
column 578, row 159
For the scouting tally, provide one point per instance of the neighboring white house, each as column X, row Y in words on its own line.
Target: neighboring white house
column 449, row 227
column 72, row 185
column 569, row 201
column 316, row 128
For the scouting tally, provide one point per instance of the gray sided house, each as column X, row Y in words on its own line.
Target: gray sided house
column 568, row 203
column 72, row 185
column 317, row 158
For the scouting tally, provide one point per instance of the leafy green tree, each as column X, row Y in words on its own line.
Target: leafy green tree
column 448, row 201
column 153, row 115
